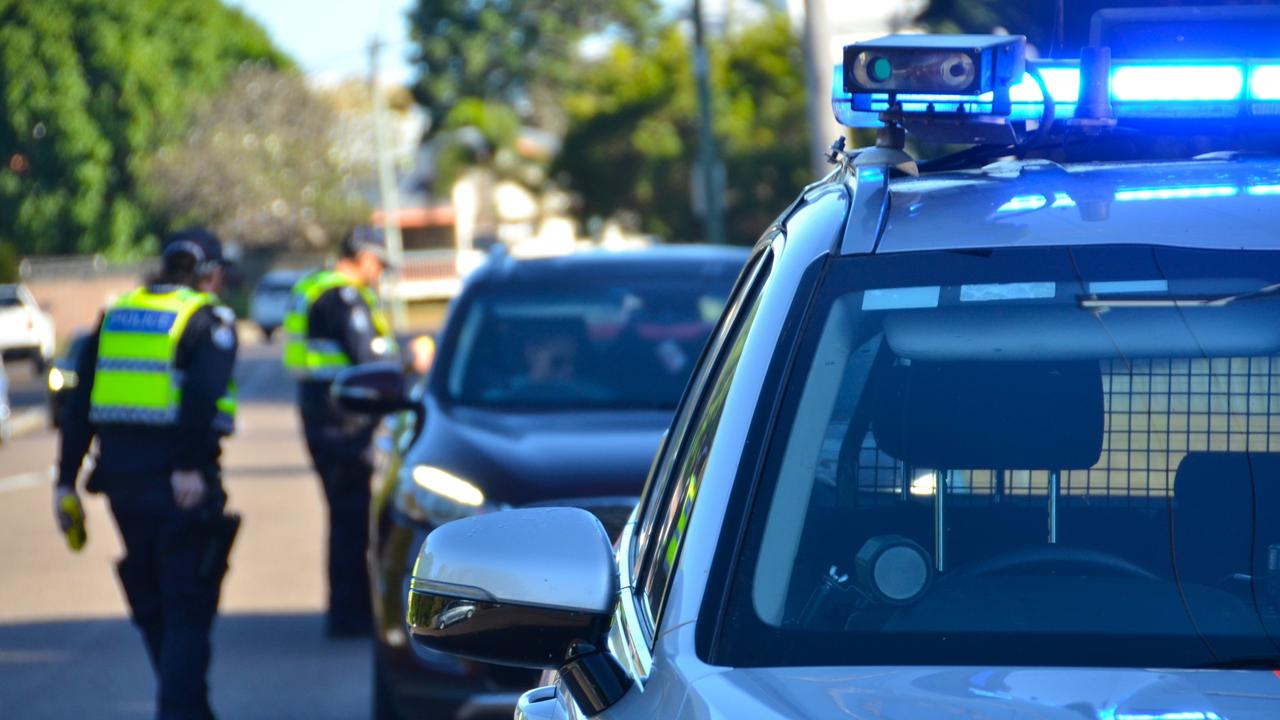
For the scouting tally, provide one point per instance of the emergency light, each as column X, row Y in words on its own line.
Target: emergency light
column 1139, row 89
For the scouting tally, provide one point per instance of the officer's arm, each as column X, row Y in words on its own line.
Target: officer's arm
column 351, row 324
column 210, row 349
column 77, row 431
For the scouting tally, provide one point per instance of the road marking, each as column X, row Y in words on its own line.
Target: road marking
column 26, row 480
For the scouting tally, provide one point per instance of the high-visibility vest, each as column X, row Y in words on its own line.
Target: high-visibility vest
column 312, row 358
column 136, row 380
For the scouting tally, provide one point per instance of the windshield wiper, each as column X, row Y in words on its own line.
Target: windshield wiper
column 1111, row 302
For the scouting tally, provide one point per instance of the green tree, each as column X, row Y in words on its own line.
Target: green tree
column 476, row 133
column 259, row 166
column 517, row 52
column 1034, row 18
column 8, row 263
column 88, row 91
column 632, row 140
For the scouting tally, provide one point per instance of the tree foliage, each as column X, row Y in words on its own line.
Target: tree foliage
column 259, row 165
column 88, row 91
column 481, row 134
column 518, row 52
column 9, row 263
column 632, row 141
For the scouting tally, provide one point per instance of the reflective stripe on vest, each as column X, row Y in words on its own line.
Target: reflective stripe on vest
column 308, row 358
column 224, row 422
column 135, row 381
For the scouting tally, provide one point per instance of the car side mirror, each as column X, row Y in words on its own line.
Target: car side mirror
column 372, row 389
column 533, row 587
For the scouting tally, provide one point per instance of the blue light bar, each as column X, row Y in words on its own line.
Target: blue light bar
column 1264, row 82
column 1139, row 90
column 1061, row 78
column 1063, row 83
column 1166, row 83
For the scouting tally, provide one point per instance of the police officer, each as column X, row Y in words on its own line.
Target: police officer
column 335, row 321
column 156, row 391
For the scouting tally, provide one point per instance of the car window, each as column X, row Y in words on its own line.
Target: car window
column 1019, row 456
column 681, row 473
column 656, row 486
column 277, row 283
column 9, row 297
column 606, row 344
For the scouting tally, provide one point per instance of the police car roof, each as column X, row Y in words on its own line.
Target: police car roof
column 669, row 260
column 1206, row 203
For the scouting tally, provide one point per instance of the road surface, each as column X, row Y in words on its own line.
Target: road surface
column 66, row 647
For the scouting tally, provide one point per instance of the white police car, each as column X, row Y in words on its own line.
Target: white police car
column 1001, row 441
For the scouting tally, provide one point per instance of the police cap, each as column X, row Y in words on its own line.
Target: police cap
column 370, row 240
column 200, row 244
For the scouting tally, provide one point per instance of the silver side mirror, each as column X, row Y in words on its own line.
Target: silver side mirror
column 533, row 587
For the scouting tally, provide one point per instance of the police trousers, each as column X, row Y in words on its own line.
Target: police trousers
column 172, row 576
column 344, row 462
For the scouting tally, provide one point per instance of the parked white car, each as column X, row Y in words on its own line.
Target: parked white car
column 25, row 330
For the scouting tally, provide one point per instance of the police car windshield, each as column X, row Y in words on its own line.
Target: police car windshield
column 976, row 466
column 591, row 344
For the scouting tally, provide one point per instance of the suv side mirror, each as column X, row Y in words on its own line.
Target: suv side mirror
column 372, row 389
column 533, row 587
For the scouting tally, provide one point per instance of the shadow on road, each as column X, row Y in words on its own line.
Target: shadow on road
column 264, row 666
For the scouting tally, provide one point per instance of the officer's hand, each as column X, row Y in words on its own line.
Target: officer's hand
column 188, row 488
column 63, row 519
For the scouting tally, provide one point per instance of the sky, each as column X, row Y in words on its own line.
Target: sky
column 330, row 38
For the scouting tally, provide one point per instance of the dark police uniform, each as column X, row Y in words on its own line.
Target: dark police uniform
column 152, row 416
column 334, row 324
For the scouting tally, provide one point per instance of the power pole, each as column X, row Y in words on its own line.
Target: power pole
column 387, row 188
column 817, row 75
column 709, row 158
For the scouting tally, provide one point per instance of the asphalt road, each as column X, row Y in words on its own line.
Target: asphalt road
column 67, row 649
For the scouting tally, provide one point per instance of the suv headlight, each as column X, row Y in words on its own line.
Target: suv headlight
column 436, row 496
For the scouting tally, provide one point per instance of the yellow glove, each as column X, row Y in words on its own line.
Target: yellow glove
column 70, row 514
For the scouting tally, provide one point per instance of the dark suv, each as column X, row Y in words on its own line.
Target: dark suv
column 553, row 382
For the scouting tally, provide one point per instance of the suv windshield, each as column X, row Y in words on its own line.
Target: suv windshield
column 1040, row 456
column 588, row 344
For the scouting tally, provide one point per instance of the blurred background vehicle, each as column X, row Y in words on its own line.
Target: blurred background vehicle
column 26, row 331
column 62, row 378
column 553, row 381
column 5, row 410
column 271, row 297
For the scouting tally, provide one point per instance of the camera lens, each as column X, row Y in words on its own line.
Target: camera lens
column 957, row 71
column 879, row 69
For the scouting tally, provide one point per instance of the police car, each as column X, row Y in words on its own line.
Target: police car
column 995, row 440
